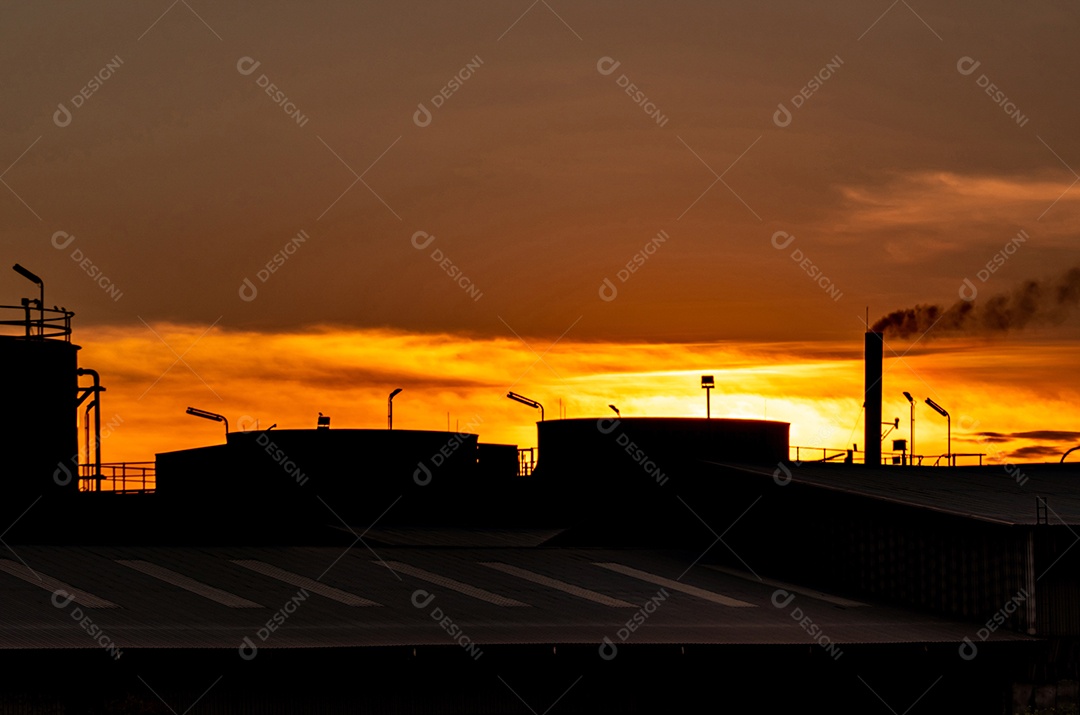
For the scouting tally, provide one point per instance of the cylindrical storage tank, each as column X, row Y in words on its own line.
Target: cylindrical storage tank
column 38, row 426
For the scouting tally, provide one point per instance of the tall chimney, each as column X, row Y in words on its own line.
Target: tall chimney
column 874, row 348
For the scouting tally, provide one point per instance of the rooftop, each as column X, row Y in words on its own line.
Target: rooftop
column 987, row 493
column 158, row 597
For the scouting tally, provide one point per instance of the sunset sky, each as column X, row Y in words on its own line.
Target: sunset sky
column 588, row 202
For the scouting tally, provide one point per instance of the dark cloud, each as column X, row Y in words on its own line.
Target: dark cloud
column 1048, row 435
column 1033, row 302
column 1049, row 454
column 993, row 437
column 1051, row 435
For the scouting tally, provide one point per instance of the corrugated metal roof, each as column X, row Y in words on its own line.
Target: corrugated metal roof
column 988, row 493
column 403, row 606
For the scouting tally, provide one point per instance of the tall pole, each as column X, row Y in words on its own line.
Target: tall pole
column 911, row 430
column 873, row 352
column 948, row 447
column 707, row 384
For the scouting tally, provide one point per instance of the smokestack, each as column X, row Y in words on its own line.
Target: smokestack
column 873, row 351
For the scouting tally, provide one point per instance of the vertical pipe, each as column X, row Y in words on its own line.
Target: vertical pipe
column 96, row 390
column 911, row 429
column 873, row 352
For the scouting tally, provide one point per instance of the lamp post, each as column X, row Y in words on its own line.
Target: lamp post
column 616, row 410
column 911, row 425
column 707, row 384
column 209, row 416
column 941, row 411
column 390, row 409
column 41, row 296
column 526, row 401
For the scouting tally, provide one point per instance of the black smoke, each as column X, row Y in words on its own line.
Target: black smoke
column 1034, row 302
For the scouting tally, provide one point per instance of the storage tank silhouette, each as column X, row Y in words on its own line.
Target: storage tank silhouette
column 38, row 417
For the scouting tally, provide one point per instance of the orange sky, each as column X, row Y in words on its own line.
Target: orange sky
column 289, row 378
column 417, row 183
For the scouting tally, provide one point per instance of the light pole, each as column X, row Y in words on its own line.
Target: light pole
column 526, row 401
column 911, row 425
column 390, row 409
column 210, row 416
column 941, row 411
column 707, row 384
column 41, row 296
column 616, row 409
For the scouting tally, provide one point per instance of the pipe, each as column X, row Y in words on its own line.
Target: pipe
column 97, row 389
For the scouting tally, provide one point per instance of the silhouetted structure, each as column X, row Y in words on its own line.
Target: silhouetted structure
column 669, row 560
column 874, row 347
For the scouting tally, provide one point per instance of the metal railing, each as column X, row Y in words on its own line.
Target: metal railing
column 829, row 454
column 526, row 461
column 36, row 323
column 950, row 459
column 119, row 477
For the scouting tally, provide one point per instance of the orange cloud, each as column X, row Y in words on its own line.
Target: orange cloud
column 457, row 382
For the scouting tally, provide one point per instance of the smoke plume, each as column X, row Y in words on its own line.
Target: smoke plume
column 1034, row 302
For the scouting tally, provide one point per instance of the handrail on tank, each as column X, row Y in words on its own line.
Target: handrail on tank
column 119, row 477
column 47, row 324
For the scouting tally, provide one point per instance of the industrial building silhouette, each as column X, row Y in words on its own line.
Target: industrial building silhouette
column 644, row 563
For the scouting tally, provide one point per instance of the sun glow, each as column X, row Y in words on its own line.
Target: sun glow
column 458, row 383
